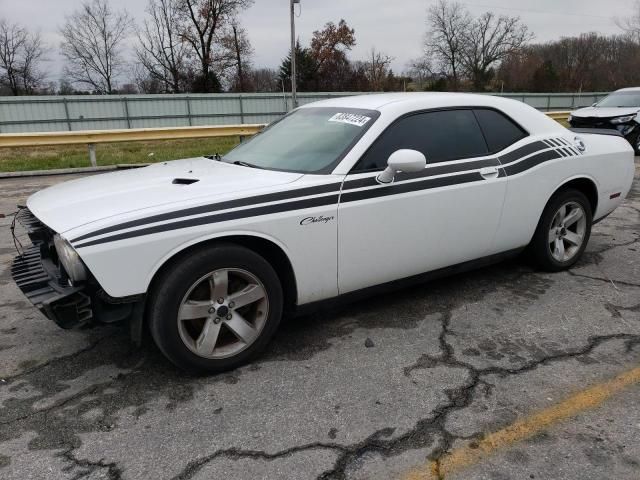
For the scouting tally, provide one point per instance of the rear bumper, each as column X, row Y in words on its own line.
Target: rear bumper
column 42, row 283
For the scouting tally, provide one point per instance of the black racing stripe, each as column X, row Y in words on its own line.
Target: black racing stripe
column 523, row 152
column 406, row 187
column 531, row 162
column 563, row 141
column 220, row 217
column 428, row 172
column 214, row 207
column 555, row 142
column 359, row 183
column 568, row 152
column 562, row 152
column 456, row 167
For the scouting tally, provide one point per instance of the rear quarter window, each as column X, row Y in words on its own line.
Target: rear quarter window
column 499, row 130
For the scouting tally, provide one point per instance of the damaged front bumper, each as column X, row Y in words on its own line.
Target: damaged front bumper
column 43, row 280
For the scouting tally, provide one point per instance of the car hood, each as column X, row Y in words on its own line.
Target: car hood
column 160, row 186
column 598, row 112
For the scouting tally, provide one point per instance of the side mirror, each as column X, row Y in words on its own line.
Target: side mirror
column 403, row 161
column 595, row 104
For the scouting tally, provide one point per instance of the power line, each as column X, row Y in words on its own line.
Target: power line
column 540, row 12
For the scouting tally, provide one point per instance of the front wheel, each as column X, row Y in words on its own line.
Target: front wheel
column 563, row 231
column 216, row 309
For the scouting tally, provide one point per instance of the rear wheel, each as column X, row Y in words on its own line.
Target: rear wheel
column 563, row 231
column 216, row 309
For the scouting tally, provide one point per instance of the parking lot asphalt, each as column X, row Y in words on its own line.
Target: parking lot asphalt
column 501, row 373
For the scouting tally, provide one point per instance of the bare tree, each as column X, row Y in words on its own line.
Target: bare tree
column 33, row 53
column 232, row 57
column 243, row 51
column 161, row 50
column 93, row 40
column 631, row 24
column 421, row 71
column 377, row 69
column 205, row 22
column 263, row 80
column 445, row 40
column 20, row 55
column 489, row 40
column 590, row 62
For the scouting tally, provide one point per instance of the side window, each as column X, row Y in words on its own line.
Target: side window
column 499, row 130
column 441, row 136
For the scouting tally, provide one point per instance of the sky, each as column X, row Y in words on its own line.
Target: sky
column 396, row 28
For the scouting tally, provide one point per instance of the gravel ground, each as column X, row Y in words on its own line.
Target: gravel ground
column 373, row 390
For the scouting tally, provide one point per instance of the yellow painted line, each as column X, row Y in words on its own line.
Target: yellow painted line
column 581, row 401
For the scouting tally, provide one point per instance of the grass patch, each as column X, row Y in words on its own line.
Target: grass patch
column 72, row 156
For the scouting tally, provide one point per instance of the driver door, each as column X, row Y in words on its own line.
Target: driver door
column 446, row 215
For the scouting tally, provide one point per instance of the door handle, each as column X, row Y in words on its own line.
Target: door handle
column 489, row 172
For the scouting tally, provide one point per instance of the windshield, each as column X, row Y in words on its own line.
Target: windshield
column 621, row 99
column 305, row 141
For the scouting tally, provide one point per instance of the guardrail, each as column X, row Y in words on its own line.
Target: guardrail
column 559, row 116
column 93, row 137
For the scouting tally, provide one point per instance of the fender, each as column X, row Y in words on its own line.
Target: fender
column 218, row 236
column 561, row 185
column 579, row 176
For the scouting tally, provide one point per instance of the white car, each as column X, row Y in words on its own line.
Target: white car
column 335, row 199
column 617, row 111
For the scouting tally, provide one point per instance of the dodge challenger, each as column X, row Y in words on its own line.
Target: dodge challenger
column 337, row 199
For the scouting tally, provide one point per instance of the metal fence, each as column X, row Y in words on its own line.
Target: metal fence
column 96, row 112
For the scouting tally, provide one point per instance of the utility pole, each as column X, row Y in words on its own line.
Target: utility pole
column 294, row 93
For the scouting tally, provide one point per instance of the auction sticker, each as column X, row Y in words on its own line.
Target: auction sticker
column 351, row 119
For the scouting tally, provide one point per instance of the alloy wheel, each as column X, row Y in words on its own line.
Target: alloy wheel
column 567, row 232
column 223, row 313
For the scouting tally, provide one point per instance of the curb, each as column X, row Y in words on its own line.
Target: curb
column 69, row 171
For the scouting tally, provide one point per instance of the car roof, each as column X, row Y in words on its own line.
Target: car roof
column 629, row 89
column 377, row 101
column 397, row 104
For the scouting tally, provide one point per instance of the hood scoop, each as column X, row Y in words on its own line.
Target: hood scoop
column 184, row 181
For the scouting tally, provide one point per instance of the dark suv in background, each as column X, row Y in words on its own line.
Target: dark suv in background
column 618, row 111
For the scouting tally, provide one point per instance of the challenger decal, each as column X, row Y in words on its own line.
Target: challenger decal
column 319, row 219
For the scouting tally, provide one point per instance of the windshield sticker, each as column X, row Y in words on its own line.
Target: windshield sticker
column 351, row 119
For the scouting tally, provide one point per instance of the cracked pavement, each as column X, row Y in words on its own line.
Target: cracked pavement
column 366, row 391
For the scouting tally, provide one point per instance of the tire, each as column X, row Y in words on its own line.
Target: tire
column 635, row 143
column 202, row 334
column 554, row 245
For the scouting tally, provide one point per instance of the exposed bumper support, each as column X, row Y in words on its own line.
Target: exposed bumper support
column 40, row 281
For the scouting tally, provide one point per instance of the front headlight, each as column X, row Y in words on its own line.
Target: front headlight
column 70, row 259
column 625, row 119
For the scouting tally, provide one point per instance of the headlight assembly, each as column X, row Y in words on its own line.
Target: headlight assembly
column 625, row 119
column 70, row 259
